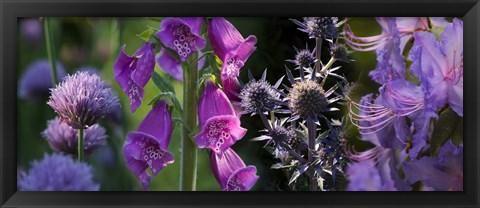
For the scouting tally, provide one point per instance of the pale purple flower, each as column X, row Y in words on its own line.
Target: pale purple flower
column 220, row 127
column 230, row 46
column 148, row 146
column 231, row 172
column 439, row 66
column 31, row 29
column 36, row 81
column 133, row 72
column 63, row 138
column 405, row 27
column 58, row 172
column 375, row 170
column 442, row 173
column 82, row 99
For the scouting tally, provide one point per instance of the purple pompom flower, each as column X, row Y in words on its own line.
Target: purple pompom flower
column 63, row 138
column 58, row 172
column 133, row 72
column 220, row 126
column 37, row 80
column 231, row 172
column 82, row 99
column 442, row 173
column 439, row 66
column 405, row 27
column 148, row 146
column 230, row 46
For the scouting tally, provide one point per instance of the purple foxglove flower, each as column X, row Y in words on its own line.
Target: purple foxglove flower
column 406, row 26
column 230, row 46
column 172, row 66
column 442, row 173
column 58, row 172
column 375, row 170
column 220, row 126
column 133, row 72
column 63, row 138
column 35, row 83
column 182, row 34
column 82, row 99
column 148, row 146
column 439, row 66
column 231, row 172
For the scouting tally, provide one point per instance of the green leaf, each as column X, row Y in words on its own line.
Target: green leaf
column 448, row 126
column 145, row 35
column 170, row 100
column 437, row 31
column 162, row 84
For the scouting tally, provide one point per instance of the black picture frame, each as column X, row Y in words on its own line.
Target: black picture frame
column 10, row 10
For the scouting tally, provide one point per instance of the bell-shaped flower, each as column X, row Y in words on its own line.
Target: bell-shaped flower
column 230, row 46
column 172, row 66
column 231, row 172
column 133, row 72
column 220, row 126
column 439, row 66
column 442, row 173
column 148, row 146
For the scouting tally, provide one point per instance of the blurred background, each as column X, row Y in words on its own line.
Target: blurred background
column 95, row 43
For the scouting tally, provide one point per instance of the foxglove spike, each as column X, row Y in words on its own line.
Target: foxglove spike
column 148, row 146
column 133, row 72
column 231, row 172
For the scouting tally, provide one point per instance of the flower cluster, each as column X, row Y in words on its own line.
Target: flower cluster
column 298, row 113
column 401, row 117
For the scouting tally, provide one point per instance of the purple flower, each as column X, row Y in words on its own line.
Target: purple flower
column 220, row 126
column 439, row 66
column 231, row 172
column 133, row 72
column 442, row 173
column 230, row 46
column 31, row 29
column 148, row 146
column 63, row 138
column 405, row 27
column 58, row 172
column 37, row 80
column 172, row 66
column 82, row 99
column 375, row 170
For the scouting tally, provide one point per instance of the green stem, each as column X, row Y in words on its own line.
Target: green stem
column 80, row 145
column 188, row 171
column 325, row 68
column 50, row 52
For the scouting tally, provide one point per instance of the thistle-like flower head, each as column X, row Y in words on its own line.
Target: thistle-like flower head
column 319, row 27
column 258, row 96
column 58, row 172
column 303, row 58
column 63, row 138
column 82, row 99
column 339, row 52
column 307, row 99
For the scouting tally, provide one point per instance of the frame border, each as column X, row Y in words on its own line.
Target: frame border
column 11, row 9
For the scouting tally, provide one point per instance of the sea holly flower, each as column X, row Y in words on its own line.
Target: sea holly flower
column 58, row 172
column 442, row 173
column 148, row 146
column 303, row 58
column 35, row 83
column 230, row 46
column 63, row 138
column 405, row 27
column 259, row 96
column 82, row 99
column 231, row 172
column 133, row 72
column 439, row 66
column 319, row 27
column 220, row 126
